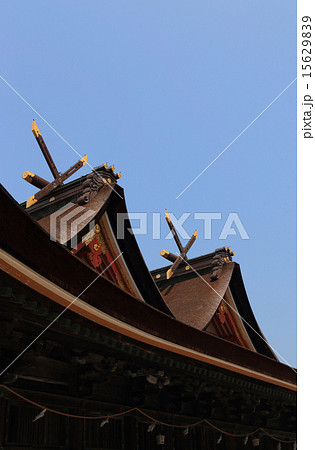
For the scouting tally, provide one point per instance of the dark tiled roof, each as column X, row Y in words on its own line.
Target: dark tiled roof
column 195, row 291
column 193, row 300
column 37, row 252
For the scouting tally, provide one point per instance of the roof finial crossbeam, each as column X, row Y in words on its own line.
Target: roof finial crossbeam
column 45, row 186
column 45, row 151
column 183, row 250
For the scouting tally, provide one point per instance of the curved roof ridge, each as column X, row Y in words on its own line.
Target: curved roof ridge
column 193, row 301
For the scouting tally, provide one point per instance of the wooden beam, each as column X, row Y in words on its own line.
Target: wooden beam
column 57, row 182
column 173, row 231
column 40, row 141
column 168, row 255
column 34, row 179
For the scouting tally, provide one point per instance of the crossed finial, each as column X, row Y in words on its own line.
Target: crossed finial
column 45, row 186
column 176, row 260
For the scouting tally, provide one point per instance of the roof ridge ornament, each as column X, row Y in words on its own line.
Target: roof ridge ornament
column 222, row 256
column 45, row 186
column 100, row 176
column 176, row 260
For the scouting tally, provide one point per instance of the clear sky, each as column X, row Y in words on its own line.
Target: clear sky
column 160, row 88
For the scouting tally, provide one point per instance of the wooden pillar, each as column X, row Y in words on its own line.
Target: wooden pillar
column 76, row 432
column 130, row 433
column 76, row 427
column 3, row 414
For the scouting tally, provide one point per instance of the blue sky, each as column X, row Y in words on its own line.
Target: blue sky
column 160, row 88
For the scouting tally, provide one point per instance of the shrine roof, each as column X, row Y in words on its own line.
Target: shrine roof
column 29, row 259
column 198, row 287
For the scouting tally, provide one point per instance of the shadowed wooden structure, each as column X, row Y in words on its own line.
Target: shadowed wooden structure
column 183, row 354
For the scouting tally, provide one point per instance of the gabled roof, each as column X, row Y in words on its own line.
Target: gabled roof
column 198, row 292
column 96, row 197
column 48, row 268
column 201, row 285
column 192, row 300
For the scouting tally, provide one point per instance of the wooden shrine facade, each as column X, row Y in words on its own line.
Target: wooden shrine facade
column 111, row 352
column 79, row 368
column 97, row 353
